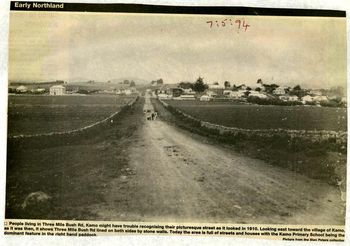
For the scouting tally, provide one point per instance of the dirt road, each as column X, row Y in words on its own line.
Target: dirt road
column 178, row 177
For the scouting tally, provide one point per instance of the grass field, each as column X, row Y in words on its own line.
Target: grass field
column 43, row 114
column 265, row 116
column 73, row 169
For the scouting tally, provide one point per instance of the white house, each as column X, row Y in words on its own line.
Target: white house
column 288, row 98
column 127, row 91
column 320, row 98
column 307, row 99
column 257, row 94
column 188, row 91
column 211, row 93
column 21, row 89
column 205, row 98
column 236, row 94
column 279, row 91
column 57, row 90
column 317, row 99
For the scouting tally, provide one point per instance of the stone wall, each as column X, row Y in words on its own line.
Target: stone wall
column 98, row 123
column 337, row 137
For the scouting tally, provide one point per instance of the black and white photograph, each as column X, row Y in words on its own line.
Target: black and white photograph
column 203, row 117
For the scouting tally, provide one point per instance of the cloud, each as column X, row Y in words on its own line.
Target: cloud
column 305, row 50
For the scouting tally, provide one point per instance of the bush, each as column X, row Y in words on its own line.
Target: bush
column 333, row 103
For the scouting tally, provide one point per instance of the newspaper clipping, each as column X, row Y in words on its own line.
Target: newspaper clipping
column 170, row 120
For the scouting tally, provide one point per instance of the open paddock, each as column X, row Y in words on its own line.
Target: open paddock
column 248, row 116
column 29, row 115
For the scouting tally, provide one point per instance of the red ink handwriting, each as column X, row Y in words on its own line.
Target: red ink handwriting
column 239, row 24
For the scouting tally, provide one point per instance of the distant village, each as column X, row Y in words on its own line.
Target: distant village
column 60, row 87
column 261, row 93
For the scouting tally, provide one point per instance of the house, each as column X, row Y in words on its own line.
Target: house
column 57, row 90
column 320, row 98
column 127, row 91
column 188, row 91
column 257, row 94
column 176, row 92
column 288, row 98
column 236, row 94
column 170, row 89
column 119, row 91
column 279, row 91
column 205, row 98
column 211, row 93
column 21, row 89
column 307, row 99
column 216, row 92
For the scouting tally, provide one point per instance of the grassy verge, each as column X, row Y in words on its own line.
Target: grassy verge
column 73, row 170
column 325, row 161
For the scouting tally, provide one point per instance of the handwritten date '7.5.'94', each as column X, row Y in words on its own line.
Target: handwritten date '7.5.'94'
column 237, row 24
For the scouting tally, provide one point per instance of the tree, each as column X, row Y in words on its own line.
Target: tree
column 199, row 85
column 186, row 85
column 297, row 88
column 259, row 81
column 298, row 91
column 132, row 83
column 227, row 84
column 270, row 88
column 126, row 82
column 258, row 89
column 246, row 93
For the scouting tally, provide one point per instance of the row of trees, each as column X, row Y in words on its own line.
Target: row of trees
column 128, row 82
column 198, row 86
column 157, row 82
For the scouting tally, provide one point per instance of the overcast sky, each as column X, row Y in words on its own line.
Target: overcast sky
column 103, row 46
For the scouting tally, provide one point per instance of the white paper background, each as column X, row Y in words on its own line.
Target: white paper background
column 145, row 240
